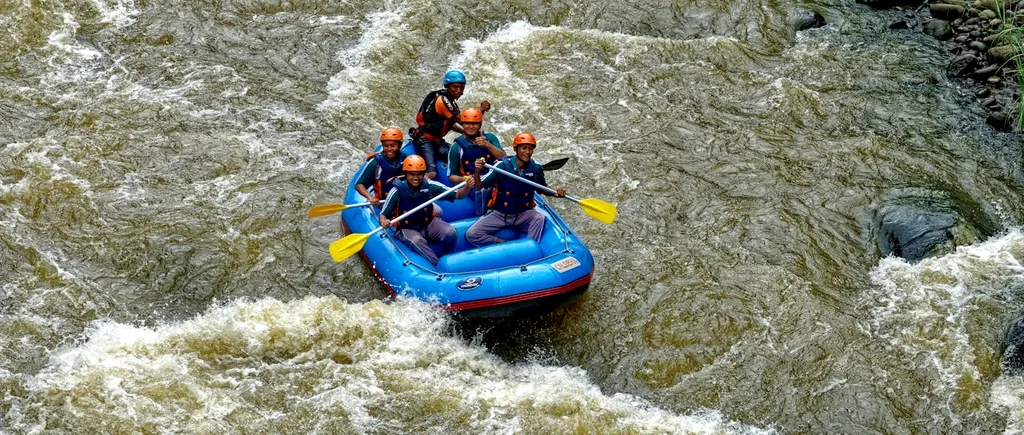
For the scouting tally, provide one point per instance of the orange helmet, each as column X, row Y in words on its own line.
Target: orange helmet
column 414, row 163
column 524, row 138
column 471, row 114
column 391, row 133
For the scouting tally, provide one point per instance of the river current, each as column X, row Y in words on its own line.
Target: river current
column 158, row 273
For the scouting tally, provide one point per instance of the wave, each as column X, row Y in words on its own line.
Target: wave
column 944, row 314
column 322, row 365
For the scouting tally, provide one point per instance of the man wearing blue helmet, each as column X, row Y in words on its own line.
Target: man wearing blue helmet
column 438, row 115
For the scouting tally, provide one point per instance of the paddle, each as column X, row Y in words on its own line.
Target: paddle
column 326, row 209
column 329, row 209
column 555, row 164
column 596, row 208
column 352, row 243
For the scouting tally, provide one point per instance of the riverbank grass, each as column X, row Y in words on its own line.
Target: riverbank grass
column 1013, row 33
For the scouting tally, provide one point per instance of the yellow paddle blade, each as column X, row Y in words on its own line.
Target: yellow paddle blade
column 599, row 210
column 350, row 244
column 325, row 209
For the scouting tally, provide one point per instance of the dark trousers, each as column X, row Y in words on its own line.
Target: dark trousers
column 432, row 152
column 530, row 222
column 436, row 231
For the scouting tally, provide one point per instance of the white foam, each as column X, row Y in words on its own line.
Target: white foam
column 120, row 14
column 523, row 101
column 512, row 34
column 350, row 86
column 485, row 61
column 325, row 357
column 1008, row 398
column 923, row 309
column 519, row 32
column 64, row 40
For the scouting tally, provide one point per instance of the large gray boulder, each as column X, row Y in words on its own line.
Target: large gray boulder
column 1013, row 356
column 912, row 233
column 939, row 29
column 947, row 12
column 922, row 224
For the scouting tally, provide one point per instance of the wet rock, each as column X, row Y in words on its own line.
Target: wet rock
column 1002, row 53
column 912, row 232
column 886, row 4
column 982, row 93
column 807, row 20
column 999, row 121
column 947, row 12
column 986, row 71
column 978, row 46
column 938, row 29
column 987, row 14
column 899, row 25
column 1012, row 362
column 992, row 5
column 961, row 66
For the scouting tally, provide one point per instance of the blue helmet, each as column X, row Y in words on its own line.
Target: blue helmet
column 454, row 76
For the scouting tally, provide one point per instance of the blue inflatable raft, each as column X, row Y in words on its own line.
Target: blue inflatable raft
column 516, row 278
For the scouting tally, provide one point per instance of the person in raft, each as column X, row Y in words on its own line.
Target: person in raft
column 422, row 227
column 383, row 168
column 511, row 203
column 439, row 114
column 469, row 147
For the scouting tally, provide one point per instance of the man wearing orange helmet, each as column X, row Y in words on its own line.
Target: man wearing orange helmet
column 469, row 147
column 512, row 200
column 439, row 114
column 421, row 228
column 383, row 167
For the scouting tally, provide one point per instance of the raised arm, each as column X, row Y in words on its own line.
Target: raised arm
column 493, row 147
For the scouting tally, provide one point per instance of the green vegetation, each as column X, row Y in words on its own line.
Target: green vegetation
column 1012, row 33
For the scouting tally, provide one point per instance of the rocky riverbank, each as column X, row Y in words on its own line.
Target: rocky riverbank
column 979, row 36
column 974, row 32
